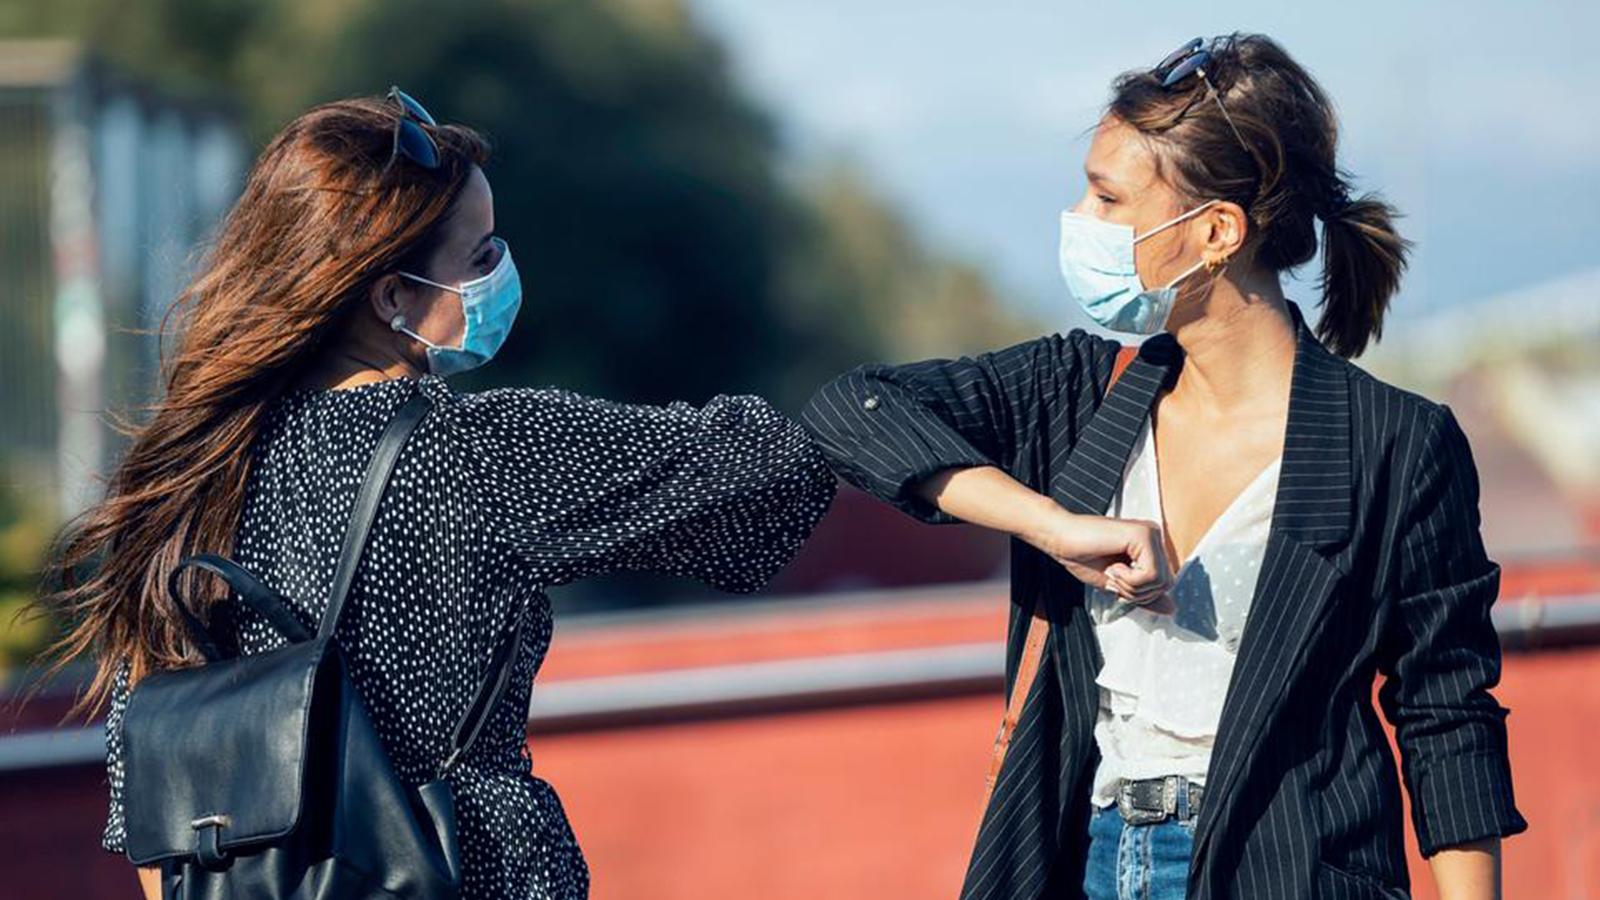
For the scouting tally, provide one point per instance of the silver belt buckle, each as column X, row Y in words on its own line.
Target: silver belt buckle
column 1139, row 815
column 1135, row 814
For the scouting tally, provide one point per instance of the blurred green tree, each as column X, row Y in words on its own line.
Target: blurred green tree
column 23, row 537
column 640, row 189
column 666, row 250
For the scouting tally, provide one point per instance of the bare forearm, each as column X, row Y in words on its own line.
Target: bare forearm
column 987, row 496
column 1122, row 556
column 1468, row 871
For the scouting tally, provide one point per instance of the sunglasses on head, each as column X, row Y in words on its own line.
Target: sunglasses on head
column 1192, row 59
column 411, row 139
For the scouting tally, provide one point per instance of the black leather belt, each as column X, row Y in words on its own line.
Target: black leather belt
column 1154, row 799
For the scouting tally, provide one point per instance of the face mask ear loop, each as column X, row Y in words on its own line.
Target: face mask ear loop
column 398, row 323
column 1171, row 222
column 1195, row 268
column 446, row 287
column 1192, row 269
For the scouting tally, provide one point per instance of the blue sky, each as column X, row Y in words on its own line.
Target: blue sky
column 1479, row 120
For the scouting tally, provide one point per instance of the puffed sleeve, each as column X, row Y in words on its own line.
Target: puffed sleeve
column 578, row 486
column 885, row 428
column 111, row 839
column 1441, row 653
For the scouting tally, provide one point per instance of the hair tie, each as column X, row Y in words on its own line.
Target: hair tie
column 1336, row 201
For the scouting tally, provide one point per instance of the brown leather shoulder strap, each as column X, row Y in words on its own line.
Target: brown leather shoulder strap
column 1033, row 646
column 1124, row 356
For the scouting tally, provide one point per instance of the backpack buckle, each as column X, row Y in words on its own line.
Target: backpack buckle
column 208, row 843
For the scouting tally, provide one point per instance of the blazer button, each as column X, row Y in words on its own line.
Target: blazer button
column 871, row 402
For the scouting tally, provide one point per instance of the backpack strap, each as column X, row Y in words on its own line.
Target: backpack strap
column 488, row 697
column 263, row 599
column 498, row 676
column 266, row 601
column 366, row 506
column 1033, row 645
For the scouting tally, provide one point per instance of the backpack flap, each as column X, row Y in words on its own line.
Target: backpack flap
column 215, row 755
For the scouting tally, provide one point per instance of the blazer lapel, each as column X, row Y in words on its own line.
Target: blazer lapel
column 1310, row 521
column 1089, row 477
column 1085, row 483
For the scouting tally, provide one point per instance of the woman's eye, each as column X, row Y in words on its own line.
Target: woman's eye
column 1105, row 199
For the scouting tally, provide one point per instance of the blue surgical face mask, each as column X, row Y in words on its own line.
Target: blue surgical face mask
column 1098, row 268
column 488, row 305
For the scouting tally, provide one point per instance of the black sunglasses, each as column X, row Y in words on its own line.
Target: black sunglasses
column 410, row 138
column 1188, row 60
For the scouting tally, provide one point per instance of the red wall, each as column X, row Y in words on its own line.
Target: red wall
column 882, row 801
column 842, row 801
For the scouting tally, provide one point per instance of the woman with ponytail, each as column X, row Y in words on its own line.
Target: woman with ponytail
column 1220, row 539
column 358, row 269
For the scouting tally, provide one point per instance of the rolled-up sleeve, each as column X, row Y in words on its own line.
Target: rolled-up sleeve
column 886, row 428
column 1443, row 654
column 725, row 492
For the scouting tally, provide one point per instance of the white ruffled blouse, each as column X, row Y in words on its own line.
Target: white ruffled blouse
column 1165, row 674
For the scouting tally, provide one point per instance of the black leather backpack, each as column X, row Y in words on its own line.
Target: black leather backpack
column 262, row 776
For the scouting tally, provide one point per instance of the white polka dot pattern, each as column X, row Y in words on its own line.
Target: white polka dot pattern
column 497, row 496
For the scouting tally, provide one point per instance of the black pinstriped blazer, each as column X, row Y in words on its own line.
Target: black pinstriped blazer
column 1373, row 564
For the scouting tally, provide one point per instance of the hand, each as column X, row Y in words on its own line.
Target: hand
column 1124, row 556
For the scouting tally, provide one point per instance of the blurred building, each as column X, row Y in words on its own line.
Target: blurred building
column 108, row 186
column 1521, row 371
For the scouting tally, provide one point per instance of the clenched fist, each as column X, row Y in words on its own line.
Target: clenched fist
column 1124, row 556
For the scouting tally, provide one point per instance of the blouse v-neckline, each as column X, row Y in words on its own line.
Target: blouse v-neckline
column 1153, row 483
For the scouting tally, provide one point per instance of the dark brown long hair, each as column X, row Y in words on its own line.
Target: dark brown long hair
column 320, row 218
column 1287, row 177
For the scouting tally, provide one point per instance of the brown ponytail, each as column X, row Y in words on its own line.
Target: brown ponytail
column 1280, row 167
column 1362, row 258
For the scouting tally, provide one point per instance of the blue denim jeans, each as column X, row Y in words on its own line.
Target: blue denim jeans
column 1137, row 862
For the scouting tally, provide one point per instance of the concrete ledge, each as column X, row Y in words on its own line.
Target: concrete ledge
column 777, row 686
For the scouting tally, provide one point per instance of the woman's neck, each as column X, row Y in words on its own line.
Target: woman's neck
column 346, row 369
column 1242, row 339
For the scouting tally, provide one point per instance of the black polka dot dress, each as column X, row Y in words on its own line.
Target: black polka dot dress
column 497, row 496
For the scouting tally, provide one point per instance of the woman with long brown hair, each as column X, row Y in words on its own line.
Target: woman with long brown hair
column 358, row 268
column 1214, row 557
